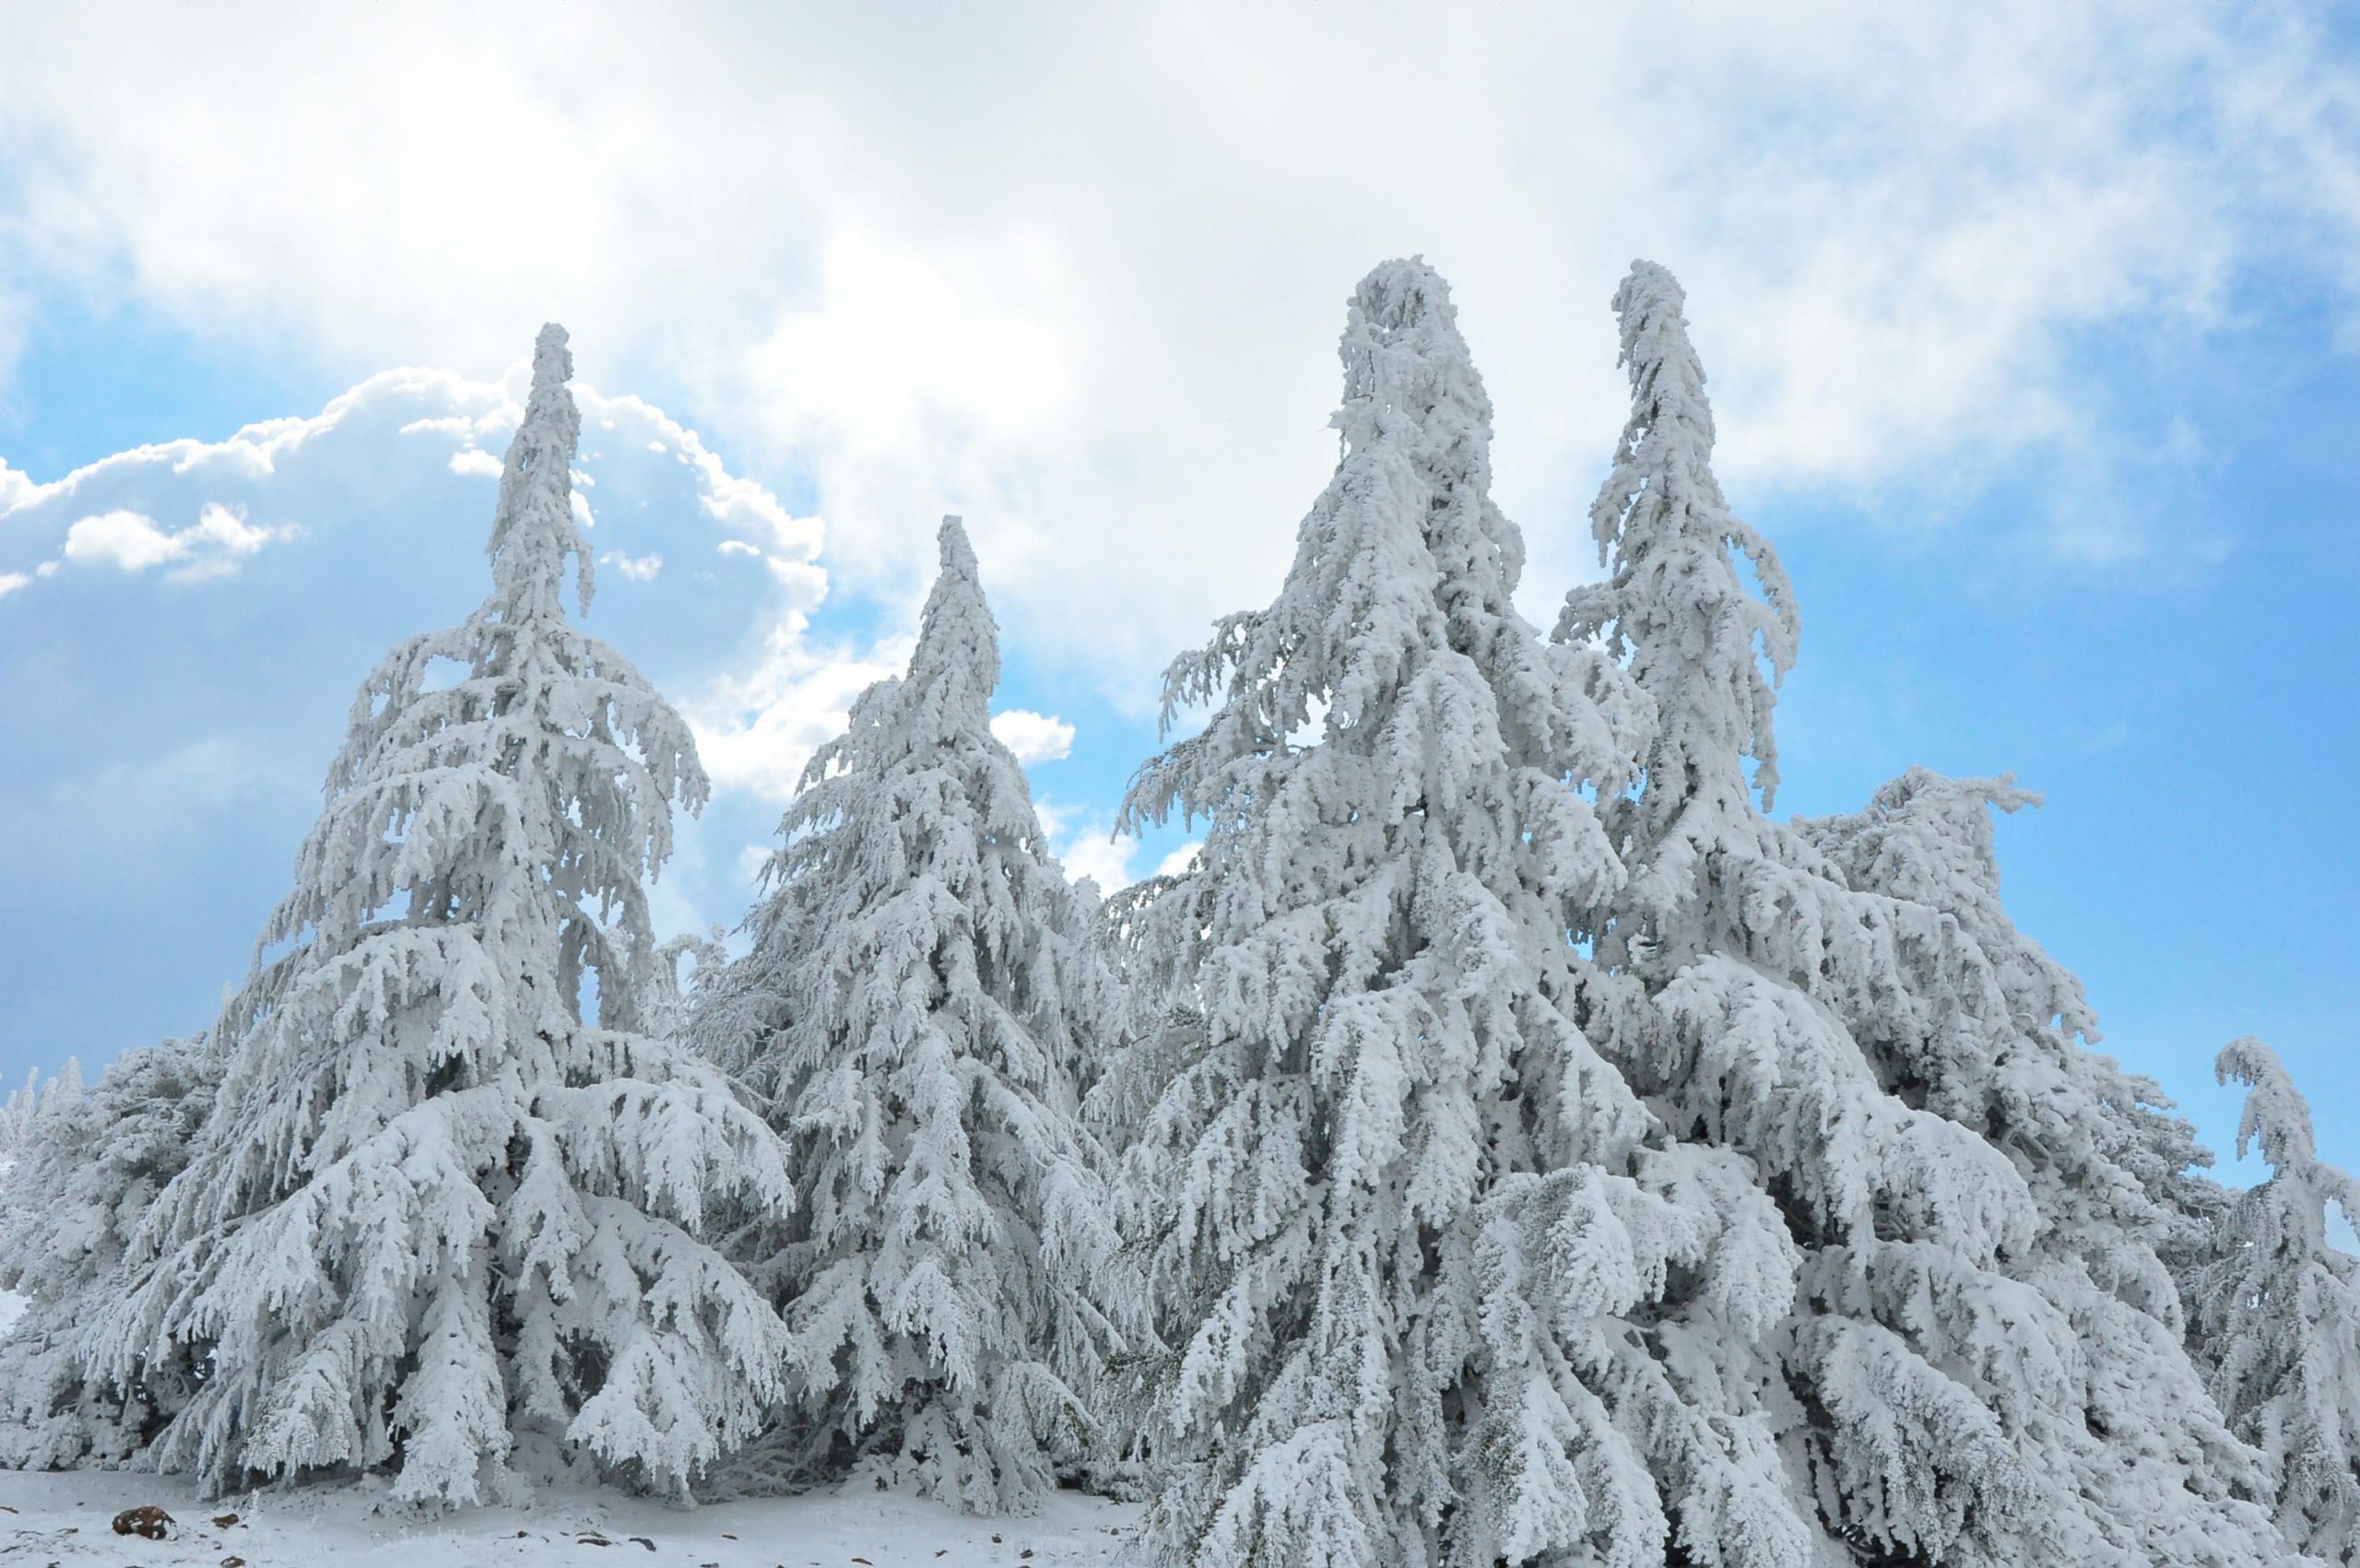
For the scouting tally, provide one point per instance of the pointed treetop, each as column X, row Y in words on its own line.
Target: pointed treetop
column 1403, row 582
column 1404, row 293
column 1650, row 306
column 1669, row 409
column 533, row 531
column 1696, row 638
column 2276, row 1115
column 957, row 636
column 956, row 555
column 552, row 361
column 1404, row 357
column 956, row 661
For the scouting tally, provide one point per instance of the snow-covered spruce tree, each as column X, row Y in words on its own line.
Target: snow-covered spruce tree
column 1439, row 1290
column 2152, row 1468
column 1936, row 1398
column 2277, row 1312
column 912, row 999
column 85, row 1168
column 442, row 1201
column 17, row 1112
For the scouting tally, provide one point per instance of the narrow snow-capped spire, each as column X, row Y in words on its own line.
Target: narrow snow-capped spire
column 1406, row 358
column 956, row 661
column 533, row 531
column 1675, row 604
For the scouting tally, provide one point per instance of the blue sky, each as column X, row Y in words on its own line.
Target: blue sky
column 2035, row 338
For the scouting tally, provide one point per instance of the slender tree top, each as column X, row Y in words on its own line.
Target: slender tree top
column 1675, row 605
column 2277, row 1117
column 955, row 666
column 533, row 531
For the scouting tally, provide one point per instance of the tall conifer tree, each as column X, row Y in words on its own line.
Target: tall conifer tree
column 918, row 989
column 442, row 1197
column 1936, row 1398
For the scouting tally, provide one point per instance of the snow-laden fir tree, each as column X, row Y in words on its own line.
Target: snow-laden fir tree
column 2150, row 1473
column 1438, row 1288
column 84, row 1168
column 1934, row 1396
column 451, row 1192
column 914, row 995
column 2277, row 1311
column 17, row 1112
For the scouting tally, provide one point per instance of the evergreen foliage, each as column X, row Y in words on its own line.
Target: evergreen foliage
column 2277, row 1310
column 1886, row 1076
column 450, row 1189
column 1503, row 1143
column 921, row 982
column 1440, row 1290
column 86, row 1167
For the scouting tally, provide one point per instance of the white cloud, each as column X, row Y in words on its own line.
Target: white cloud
column 153, row 794
column 128, row 541
column 1033, row 738
column 1084, row 843
column 639, row 568
column 471, row 460
column 12, row 581
column 756, row 729
column 131, row 541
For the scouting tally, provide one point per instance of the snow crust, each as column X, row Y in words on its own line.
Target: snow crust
column 356, row 1525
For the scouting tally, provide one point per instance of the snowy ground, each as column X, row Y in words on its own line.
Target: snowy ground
column 65, row 1519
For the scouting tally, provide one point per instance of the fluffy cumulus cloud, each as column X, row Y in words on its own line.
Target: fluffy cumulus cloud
column 975, row 266
column 1033, row 738
column 130, row 541
column 638, row 567
column 758, row 725
column 1085, row 844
